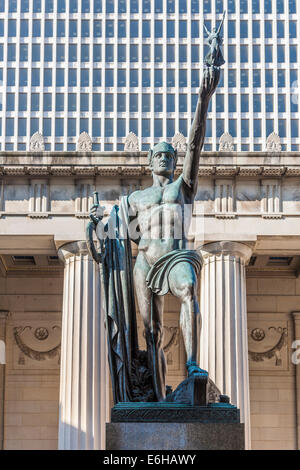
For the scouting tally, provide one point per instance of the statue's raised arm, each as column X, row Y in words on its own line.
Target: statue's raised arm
column 206, row 30
column 213, row 61
column 221, row 24
column 209, row 84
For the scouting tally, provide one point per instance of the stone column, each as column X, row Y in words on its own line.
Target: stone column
column 83, row 376
column 296, row 361
column 3, row 318
column 224, row 340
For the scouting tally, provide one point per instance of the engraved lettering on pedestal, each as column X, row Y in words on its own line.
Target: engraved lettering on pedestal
column 179, row 142
column 39, row 198
column 273, row 144
column 84, row 143
column 226, row 143
column 37, row 143
column 131, row 143
column 271, row 198
column 224, row 198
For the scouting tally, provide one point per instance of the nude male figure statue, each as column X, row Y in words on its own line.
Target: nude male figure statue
column 163, row 263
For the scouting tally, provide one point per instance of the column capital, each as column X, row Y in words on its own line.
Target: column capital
column 236, row 249
column 72, row 249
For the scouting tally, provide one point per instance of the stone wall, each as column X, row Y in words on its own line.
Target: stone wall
column 32, row 373
column 273, row 395
column 32, row 385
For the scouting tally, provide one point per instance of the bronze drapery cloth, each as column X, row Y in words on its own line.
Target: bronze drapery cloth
column 158, row 277
column 120, row 304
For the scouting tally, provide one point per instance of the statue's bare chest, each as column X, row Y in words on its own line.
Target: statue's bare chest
column 170, row 194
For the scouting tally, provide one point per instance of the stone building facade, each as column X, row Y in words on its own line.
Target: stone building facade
column 50, row 297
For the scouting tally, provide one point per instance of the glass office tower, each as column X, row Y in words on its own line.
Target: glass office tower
column 109, row 67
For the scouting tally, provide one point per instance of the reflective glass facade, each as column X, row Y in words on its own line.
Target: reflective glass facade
column 109, row 67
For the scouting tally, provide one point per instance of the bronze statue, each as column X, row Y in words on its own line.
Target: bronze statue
column 163, row 264
column 215, row 56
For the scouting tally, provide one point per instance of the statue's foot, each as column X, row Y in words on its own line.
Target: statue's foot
column 194, row 369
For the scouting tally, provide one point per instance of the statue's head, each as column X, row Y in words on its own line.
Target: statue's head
column 162, row 159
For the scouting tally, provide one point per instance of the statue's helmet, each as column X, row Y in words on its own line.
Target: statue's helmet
column 162, row 147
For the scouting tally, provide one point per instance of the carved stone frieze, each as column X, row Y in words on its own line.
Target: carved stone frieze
column 174, row 412
column 84, row 143
column 272, row 216
column 225, row 216
column 267, row 343
column 129, row 171
column 226, row 171
column 61, row 170
column 273, row 144
column 32, row 353
column 35, row 344
column 273, row 171
column 250, row 171
column 206, row 171
column 37, row 143
column 38, row 170
column 226, row 143
column 292, row 171
column 85, row 171
column 15, row 170
column 179, row 142
column 131, row 143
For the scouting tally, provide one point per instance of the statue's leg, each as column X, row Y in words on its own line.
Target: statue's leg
column 183, row 284
column 153, row 323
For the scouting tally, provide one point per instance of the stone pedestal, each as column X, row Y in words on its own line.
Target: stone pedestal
column 173, row 426
column 83, row 379
column 174, row 436
column 224, row 341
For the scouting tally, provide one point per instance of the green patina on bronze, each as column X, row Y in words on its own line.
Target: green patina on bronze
column 163, row 264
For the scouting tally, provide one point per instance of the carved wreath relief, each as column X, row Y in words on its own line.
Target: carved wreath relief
column 268, row 345
column 35, row 344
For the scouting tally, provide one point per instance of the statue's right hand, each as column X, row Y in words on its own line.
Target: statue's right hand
column 210, row 80
column 96, row 213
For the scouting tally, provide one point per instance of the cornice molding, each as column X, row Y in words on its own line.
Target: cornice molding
column 229, row 170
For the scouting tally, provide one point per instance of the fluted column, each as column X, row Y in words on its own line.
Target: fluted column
column 3, row 319
column 224, row 342
column 83, row 377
